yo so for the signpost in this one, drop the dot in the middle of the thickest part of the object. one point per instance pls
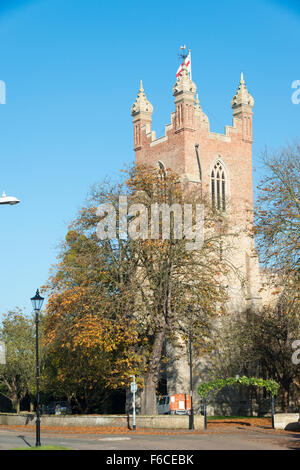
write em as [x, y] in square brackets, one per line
[133, 389]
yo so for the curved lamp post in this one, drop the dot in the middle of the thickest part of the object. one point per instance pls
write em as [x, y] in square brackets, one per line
[8, 200]
[37, 302]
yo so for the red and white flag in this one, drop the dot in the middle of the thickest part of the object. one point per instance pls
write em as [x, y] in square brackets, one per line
[188, 64]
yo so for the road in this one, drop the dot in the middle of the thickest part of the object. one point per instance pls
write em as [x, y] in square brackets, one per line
[235, 438]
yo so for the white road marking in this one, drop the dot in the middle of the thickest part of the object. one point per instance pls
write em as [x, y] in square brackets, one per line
[115, 439]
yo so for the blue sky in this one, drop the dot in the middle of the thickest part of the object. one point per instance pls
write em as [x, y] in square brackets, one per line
[72, 72]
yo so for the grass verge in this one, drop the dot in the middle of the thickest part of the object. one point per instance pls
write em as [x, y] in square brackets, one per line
[42, 448]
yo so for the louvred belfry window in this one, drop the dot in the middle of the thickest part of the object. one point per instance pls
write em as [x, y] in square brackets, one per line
[218, 187]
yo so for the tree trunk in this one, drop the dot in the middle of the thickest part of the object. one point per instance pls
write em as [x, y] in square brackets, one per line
[79, 406]
[16, 404]
[149, 396]
[69, 401]
[286, 401]
[148, 404]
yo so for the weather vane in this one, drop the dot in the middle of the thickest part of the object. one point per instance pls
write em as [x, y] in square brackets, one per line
[183, 53]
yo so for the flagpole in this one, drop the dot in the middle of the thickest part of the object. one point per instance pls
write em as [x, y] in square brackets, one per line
[185, 59]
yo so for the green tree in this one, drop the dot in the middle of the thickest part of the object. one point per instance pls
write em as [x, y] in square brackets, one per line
[260, 344]
[17, 375]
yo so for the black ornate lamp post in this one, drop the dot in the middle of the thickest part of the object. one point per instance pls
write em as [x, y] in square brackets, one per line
[191, 423]
[191, 426]
[273, 410]
[37, 302]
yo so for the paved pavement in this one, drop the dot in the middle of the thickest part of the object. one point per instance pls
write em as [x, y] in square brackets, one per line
[236, 438]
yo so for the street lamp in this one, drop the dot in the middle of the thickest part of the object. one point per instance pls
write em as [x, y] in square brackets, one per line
[8, 200]
[37, 302]
[191, 423]
[133, 389]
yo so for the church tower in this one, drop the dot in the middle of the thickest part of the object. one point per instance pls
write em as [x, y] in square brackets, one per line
[222, 163]
[189, 130]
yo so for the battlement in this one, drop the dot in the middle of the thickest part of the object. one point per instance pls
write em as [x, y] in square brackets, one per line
[189, 117]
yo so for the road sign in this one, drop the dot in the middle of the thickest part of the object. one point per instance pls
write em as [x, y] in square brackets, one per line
[133, 387]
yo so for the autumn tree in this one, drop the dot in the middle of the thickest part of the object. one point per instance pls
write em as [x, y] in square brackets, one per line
[89, 341]
[178, 289]
[119, 298]
[278, 212]
[278, 240]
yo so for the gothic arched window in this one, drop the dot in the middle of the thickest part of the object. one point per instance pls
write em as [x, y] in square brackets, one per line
[218, 187]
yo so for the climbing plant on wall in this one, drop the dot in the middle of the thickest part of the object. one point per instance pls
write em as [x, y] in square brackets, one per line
[216, 385]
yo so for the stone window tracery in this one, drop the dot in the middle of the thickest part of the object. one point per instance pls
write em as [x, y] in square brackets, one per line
[218, 187]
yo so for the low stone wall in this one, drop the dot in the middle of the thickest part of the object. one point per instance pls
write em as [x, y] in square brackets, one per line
[287, 421]
[155, 422]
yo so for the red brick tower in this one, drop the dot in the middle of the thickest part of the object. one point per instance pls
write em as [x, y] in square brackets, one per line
[190, 127]
[225, 159]
[222, 163]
